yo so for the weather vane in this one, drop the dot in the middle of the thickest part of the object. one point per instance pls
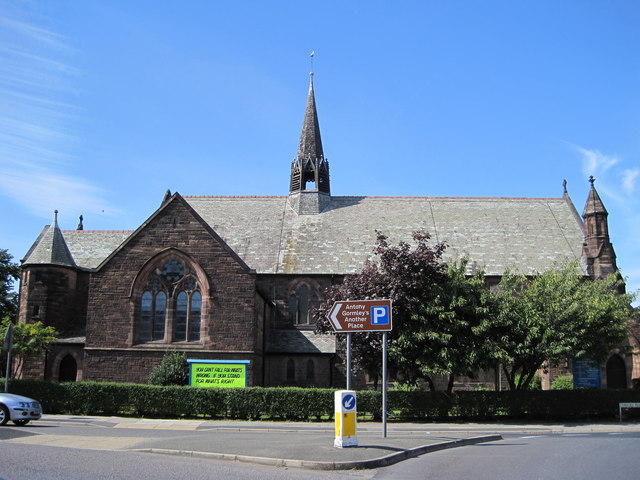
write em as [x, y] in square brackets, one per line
[312, 54]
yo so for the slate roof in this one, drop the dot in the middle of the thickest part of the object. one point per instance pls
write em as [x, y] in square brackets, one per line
[300, 341]
[528, 234]
[50, 247]
[87, 247]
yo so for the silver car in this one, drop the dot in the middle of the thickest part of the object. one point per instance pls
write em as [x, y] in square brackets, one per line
[20, 410]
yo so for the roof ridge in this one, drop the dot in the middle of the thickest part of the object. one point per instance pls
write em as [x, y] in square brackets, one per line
[234, 196]
[97, 231]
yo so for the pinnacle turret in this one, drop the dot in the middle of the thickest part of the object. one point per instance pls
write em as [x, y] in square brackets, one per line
[310, 166]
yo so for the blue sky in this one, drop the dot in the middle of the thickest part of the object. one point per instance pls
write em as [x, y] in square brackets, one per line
[106, 104]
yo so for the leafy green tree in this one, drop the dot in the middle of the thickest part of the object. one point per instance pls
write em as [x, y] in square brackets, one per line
[29, 339]
[400, 272]
[9, 272]
[446, 331]
[439, 313]
[172, 370]
[554, 316]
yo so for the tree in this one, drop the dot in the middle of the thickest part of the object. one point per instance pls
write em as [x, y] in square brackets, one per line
[437, 311]
[555, 316]
[172, 370]
[28, 339]
[8, 274]
[400, 273]
[446, 332]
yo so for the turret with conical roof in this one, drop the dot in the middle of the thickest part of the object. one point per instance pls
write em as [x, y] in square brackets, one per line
[310, 166]
[50, 248]
[597, 249]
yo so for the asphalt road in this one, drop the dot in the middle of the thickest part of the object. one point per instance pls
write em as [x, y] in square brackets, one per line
[586, 456]
[108, 448]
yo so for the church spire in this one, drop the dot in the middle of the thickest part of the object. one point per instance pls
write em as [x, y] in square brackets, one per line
[594, 205]
[310, 166]
[597, 249]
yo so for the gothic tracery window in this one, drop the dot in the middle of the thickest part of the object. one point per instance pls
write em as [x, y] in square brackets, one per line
[170, 303]
[302, 305]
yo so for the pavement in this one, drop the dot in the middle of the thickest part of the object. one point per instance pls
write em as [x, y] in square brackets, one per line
[303, 445]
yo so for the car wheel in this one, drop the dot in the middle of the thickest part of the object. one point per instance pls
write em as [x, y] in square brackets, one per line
[4, 415]
[21, 423]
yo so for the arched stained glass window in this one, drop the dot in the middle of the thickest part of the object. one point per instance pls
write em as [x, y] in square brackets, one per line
[303, 304]
[195, 315]
[180, 326]
[159, 316]
[146, 315]
[171, 302]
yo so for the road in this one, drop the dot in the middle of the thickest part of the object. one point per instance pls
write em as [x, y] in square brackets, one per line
[588, 456]
[36, 462]
[98, 450]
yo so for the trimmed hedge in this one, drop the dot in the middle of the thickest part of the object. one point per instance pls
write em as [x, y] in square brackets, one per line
[304, 404]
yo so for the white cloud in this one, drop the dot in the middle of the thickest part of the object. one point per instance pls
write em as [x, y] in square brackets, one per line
[41, 191]
[38, 118]
[594, 162]
[629, 180]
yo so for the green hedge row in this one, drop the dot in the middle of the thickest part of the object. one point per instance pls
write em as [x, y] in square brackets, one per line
[87, 398]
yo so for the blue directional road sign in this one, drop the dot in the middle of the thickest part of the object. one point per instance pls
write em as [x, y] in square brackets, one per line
[349, 402]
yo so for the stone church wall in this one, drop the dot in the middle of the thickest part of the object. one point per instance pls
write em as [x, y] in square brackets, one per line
[228, 312]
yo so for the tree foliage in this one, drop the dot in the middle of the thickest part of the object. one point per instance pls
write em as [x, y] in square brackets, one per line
[9, 272]
[554, 316]
[438, 312]
[447, 322]
[446, 331]
[29, 339]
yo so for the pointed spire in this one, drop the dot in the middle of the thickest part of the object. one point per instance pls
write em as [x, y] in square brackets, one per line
[597, 251]
[310, 142]
[310, 166]
[594, 204]
[52, 248]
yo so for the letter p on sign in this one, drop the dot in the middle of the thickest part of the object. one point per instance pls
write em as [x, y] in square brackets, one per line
[380, 315]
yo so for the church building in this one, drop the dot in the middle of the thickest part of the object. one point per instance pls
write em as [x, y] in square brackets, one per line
[238, 277]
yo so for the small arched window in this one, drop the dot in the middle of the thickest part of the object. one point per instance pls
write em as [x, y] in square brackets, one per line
[302, 306]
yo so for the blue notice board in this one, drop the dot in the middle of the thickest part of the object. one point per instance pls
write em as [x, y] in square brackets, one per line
[586, 374]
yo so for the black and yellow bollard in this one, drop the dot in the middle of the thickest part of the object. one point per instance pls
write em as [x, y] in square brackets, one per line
[345, 408]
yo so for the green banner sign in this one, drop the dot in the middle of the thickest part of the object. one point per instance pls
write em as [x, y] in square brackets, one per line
[218, 373]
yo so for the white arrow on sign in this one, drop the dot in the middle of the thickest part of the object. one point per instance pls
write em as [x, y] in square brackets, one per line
[333, 315]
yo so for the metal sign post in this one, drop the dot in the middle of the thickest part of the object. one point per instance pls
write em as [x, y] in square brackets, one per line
[348, 361]
[364, 316]
[384, 385]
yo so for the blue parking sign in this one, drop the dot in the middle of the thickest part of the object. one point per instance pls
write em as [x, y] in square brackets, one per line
[380, 315]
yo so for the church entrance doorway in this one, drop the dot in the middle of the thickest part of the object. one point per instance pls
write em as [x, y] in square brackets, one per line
[68, 369]
[616, 372]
